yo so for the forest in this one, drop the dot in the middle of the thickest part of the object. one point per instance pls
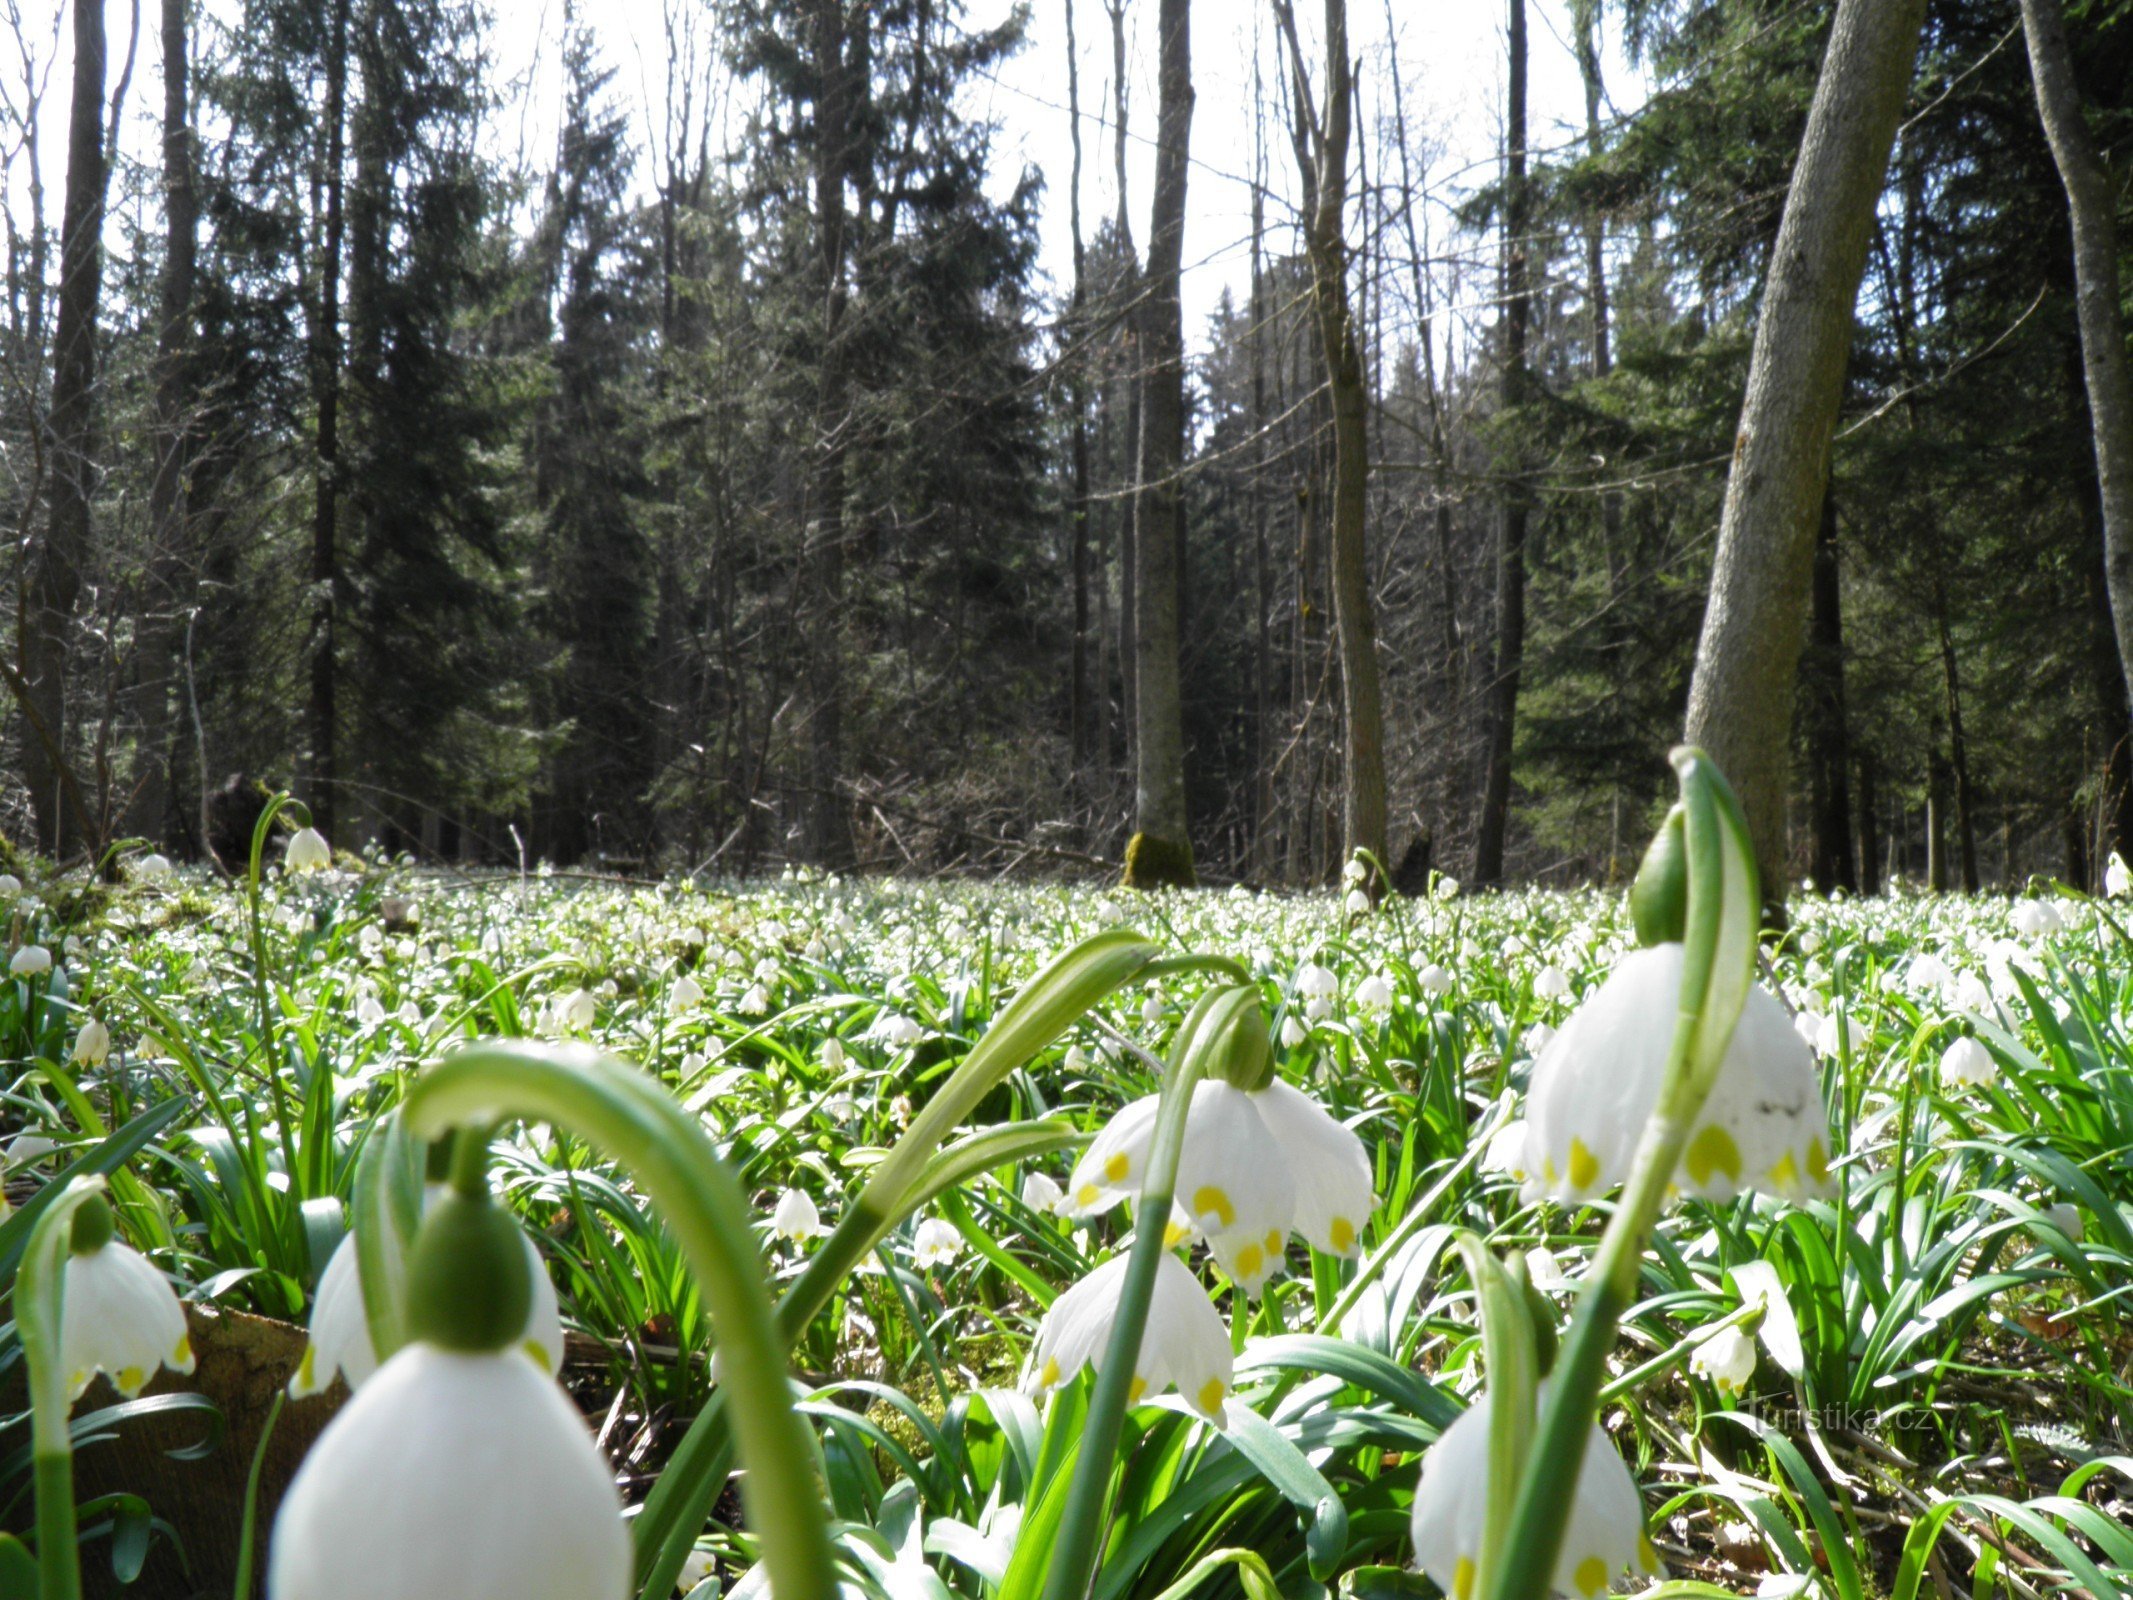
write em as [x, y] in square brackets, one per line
[653, 502]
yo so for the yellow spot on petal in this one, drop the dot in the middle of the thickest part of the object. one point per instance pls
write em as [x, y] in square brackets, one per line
[307, 1369]
[1273, 1241]
[1548, 1168]
[181, 1359]
[1117, 1167]
[1135, 1389]
[1712, 1151]
[1463, 1579]
[1209, 1199]
[1647, 1557]
[1209, 1399]
[1175, 1235]
[1251, 1261]
[1591, 1576]
[1086, 1195]
[128, 1379]
[533, 1348]
[1342, 1234]
[1786, 1173]
[1049, 1377]
[1817, 1160]
[1584, 1165]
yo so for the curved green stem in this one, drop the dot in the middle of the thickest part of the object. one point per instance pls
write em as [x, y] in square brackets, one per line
[616, 1108]
[1079, 1541]
[40, 1299]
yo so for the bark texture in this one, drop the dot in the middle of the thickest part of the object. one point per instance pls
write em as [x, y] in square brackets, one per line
[1748, 657]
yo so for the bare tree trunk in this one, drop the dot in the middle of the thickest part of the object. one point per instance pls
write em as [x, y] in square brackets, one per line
[155, 669]
[52, 584]
[2092, 207]
[1263, 742]
[1509, 664]
[1077, 391]
[1322, 143]
[1828, 730]
[1133, 367]
[1160, 851]
[1747, 660]
[1958, 750]
[323, 714]
[1869, 827]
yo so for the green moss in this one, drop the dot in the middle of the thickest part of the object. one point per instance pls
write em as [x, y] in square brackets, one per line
[1153, 863]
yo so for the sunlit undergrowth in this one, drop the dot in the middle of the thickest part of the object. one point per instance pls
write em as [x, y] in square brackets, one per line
[1937, 1388]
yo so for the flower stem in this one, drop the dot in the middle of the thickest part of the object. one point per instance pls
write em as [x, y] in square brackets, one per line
[40, 1298]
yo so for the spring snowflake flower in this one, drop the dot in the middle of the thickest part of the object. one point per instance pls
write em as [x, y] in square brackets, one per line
[573, 1012]
[92, 1045]
[1042, 1194]
[1727, 1358]
[1293, 1032]
[1551, 983]
[1184, 1346]
[1152, 1008]
[897, 1031]
[370, 1010]
[754, 1002]
[1315, 982]
[1596, 1084]
[452, 1473]
[1374, 993]
[31, 961]
[119, 1315]
[1256, 1166]
[1967, 1062]
[1356, 903]
[1434, 980]
[151, 867]
[834, 1057]
[1604, 1536]
[1446, 887]
[936, 1243]
[10, 885]
[1538, 1038]
[340, 1325]
[2037, 919]
[686, 995]
[796, 1217]
[1354, 873]
[306, 851]
[2117, 880]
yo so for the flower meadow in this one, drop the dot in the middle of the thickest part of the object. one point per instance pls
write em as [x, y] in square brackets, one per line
[779, 1238]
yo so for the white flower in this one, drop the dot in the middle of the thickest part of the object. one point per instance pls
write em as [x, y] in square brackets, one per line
[91, 1045]
[340, 1325]
[1356, 903]
[1833, 1035]
[1374, 993]
[1446, 887]
[1808, 1025]
[1928, 974]
[936, 1243]
[1042, 1194]
[754, 1002]
[1255, 1166]
[2116, 879]
[31, 961]
[1604, 1535]
[1596, 1084]
[1968, 1062]
[796, 1217]
[2067, 1219]
[1152, 1008]
[1507, 1150]
[1184, 1345]
[834, 1056]
[151, 866]
[695, 1568]
[1538, 1038]
[1551, 983]
[370, 1010]
[1727, 1358]
[119, 1315]
[1293, 1032]
[10, 885]
[686, 995]
[2037, 919]
[467, 1475]
[1434, 980]
[306, 851]
[1543, 1270]
[1315, 982]
[1354, 872]
[896, 1030]
[574, 1012]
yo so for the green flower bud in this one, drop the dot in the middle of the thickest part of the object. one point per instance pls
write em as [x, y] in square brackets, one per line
[468, 1284]
[1659, 899]
[1242, 1052]
[93, 1226]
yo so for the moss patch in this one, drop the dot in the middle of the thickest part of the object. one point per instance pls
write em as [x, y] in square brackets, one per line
[1153, 863]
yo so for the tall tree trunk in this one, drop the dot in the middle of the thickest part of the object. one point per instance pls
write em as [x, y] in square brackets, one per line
[828, 824]
[53, 582]
[1322, 143]
[2092, 207]
[1160, 851]
[1263, 742]
[1747, 660]
[1509, 664]
[1133, 366]
[1869, 826]
[168, 545]
[1829, 757]
[322, 645]
[1077, 391]
[1958, 750]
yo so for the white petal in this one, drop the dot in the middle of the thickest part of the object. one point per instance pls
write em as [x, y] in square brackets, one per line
[1114, 1164]
[1329, 1167]
[120, 1316]
[1233, 1175]
[340, 1333]
[1184, 1346]
[450, 1474]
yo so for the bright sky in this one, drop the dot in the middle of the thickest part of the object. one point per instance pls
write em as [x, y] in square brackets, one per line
[1450, 55]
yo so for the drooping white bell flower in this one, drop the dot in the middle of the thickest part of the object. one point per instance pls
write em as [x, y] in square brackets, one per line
[1603, 1538]
[306, 851]
[10, 885]
[1042, 1194]
[1293, 1031]
[370, 1010]
[1551, 983]
[1315, 982]
[31, 961]
[1727, 1358]
[1434, 980]
[1967, 1062]
[92, 1044]
[1595, 1086]
[452, 1473]
[1184, 1345]
[1544, 1269]
[1834, 1034]
[1356, 903]
[2037, 919]
[1354, 873]
[1507, 1150]
[1152, 1008]
[686, 995]
[897, 1031]
[1446, 887]
[936, 1242]
[574, 1012]
[119, 1315]
[835, 1058]
[1327, 1164]
[1374, 993]
[2117, 880]
[796, 1217]
[339, 1329]
[152, 866]
[754, 1001]
[1538, 1038]
[1928, 974]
